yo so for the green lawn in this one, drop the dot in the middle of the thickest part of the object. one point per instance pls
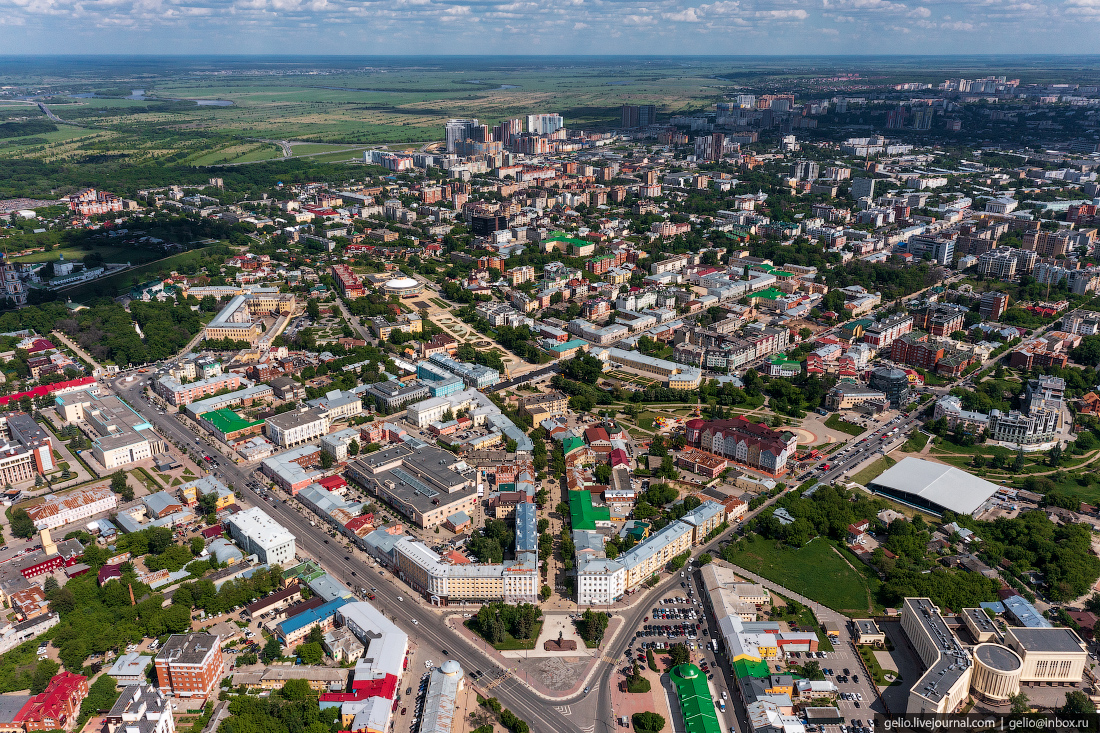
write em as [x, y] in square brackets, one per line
[806, 618]
[916, 442]
[814, 571]
[873, 470]
[868, 655]
[843, 426]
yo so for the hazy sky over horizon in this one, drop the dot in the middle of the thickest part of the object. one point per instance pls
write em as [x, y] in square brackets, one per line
[564, 27]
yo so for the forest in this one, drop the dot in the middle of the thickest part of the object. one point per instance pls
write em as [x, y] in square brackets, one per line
[106, 330]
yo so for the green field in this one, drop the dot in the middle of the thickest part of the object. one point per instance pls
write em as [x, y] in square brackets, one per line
[843, 426]
[110, 254]
[814, 571]
[115, 284]
[872, 471]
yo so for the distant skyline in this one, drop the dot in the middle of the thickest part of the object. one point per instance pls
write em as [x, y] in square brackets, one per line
[766, 27]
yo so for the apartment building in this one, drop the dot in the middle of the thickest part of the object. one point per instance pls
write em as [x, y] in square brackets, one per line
[338, 405]
[993, 304]
[178, 394]
[351, 286]
[291, 429]
[141, 709]
[57, 707]
[258, 534]
[882, 334]
[999, 264]
[915, 349]
[542, 406]
[189, 665]
[25, 451]
[647, 557]
[748, 443]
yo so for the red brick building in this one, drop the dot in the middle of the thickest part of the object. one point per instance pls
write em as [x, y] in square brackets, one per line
[57, 706]
[915, 350]
[189, 665]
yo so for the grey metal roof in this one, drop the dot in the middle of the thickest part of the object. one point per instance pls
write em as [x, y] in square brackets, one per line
[934, 484]
[1025, 613]
[10, 705]
[526, 528]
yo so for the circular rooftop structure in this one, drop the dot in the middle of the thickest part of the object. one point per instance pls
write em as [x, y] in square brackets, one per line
[997, 672]
[403, 287]
[998, 657]
[450, 667]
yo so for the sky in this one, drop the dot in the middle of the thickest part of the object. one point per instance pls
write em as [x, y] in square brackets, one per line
[668, 27]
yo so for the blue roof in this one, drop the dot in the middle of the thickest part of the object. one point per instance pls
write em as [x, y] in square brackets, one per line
[1025, 613]
[310, 617]
[992, 606]
[526, 528]
[703, 512]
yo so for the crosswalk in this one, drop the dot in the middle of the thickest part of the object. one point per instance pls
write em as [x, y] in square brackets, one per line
[496, 682]
[563, 709]
[608, 659]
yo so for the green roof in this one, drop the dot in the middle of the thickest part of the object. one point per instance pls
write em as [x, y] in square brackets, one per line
[782, 360]
[696, 705]
[581, 512]
[301, 568]
[568, 345]
[750, 668]
[226, 421]
[769, 294]
[563, 237]
[771, 270]
[571, 444]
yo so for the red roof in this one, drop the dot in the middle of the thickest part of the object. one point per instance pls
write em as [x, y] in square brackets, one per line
[619, 458]
[363, 520]
[109, 572]
[457, 558]
[332, 482]
[216, 530]
[40, 345]
[61, 700]
[596, 433]
[46, 389]
[385, 687]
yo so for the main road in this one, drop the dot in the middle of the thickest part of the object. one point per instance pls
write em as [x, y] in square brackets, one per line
[541, 714]
[576, 713]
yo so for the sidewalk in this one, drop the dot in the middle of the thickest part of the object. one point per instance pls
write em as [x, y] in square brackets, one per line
[511, 667]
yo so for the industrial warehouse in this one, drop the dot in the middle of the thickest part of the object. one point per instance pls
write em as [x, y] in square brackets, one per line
[934, 487]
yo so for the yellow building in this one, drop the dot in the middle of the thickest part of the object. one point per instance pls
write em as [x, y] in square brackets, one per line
[649, 556]
[543, 406]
